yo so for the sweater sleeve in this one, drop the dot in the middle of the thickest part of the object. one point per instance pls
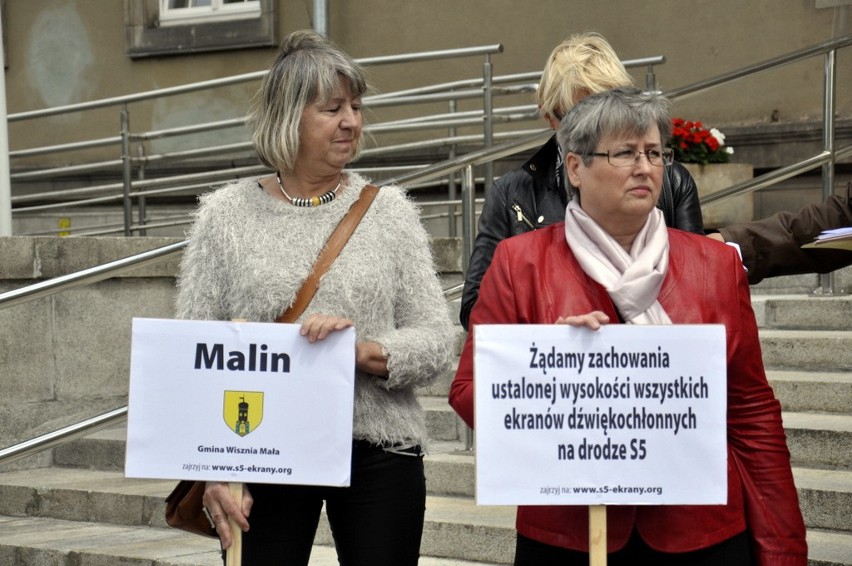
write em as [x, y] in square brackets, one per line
[757, 441]
[421, 344]
[201, 281]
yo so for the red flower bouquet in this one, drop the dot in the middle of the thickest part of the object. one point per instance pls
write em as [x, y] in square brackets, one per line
[693, 143]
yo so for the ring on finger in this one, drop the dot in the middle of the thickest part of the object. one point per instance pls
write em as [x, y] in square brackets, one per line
[209, 517]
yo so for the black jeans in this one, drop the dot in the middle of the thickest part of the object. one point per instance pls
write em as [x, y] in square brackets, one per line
[377, 521]
[735, 551]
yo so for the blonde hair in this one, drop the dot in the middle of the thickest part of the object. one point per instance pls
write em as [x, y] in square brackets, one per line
[581, 65]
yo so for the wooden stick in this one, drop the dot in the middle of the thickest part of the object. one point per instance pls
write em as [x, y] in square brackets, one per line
[597, 535]
[234, 556]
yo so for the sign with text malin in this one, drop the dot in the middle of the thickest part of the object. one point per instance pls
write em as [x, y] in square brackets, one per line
[239, 402]
[624, 415]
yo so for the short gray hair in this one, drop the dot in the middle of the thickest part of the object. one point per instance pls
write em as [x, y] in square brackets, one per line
[620, 111]
[307, 71]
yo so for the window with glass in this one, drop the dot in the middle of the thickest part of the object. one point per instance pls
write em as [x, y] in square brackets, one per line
[172, 27]
[183, 12]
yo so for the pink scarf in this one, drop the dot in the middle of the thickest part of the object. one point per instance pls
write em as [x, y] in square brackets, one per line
[632, 280]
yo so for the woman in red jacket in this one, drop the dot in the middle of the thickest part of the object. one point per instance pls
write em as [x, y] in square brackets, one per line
[614, 260]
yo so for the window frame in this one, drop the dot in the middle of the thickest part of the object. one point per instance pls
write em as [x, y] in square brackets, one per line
[217, 11]
[146, 36]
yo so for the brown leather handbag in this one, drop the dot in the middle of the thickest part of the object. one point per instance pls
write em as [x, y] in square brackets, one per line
[184, 506]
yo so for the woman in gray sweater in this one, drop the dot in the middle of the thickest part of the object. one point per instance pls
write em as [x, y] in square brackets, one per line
[252, 244]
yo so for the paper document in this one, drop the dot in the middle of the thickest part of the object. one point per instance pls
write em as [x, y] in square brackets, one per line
[838, 238]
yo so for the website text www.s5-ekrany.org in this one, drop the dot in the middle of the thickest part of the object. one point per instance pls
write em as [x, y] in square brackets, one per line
[604, 489]
[252, 469]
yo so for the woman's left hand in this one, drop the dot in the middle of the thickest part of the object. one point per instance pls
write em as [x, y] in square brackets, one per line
[593, 320]
[369, 356]
[318, 326]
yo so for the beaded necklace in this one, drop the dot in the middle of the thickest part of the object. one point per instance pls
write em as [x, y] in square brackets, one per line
[313, 201]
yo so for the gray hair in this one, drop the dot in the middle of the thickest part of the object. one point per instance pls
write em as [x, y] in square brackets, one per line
[620, 111]
[307, 71]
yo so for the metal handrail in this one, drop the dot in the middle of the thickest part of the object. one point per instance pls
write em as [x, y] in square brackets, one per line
[777, 175]
[533, 76]
[87, 276]
[107, 270]
[61, 436]
[792, 57]
[242, 78]
[527, 112]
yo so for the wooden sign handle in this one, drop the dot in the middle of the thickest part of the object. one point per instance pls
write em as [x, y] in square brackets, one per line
[597, 535]
[234, 556]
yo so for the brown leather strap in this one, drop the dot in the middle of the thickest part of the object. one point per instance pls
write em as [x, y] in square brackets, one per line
[329, 253]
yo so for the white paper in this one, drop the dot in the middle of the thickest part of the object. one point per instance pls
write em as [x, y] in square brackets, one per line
[625, 415]
[188, 380]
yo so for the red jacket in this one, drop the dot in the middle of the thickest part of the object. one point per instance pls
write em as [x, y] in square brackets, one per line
[534, 278]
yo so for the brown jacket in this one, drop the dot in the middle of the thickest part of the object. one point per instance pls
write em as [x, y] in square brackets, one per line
[773, 246]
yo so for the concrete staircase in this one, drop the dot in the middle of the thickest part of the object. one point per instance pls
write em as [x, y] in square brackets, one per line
[83, 512]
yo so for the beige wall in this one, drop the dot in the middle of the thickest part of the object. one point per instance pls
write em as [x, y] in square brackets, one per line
[67, 51]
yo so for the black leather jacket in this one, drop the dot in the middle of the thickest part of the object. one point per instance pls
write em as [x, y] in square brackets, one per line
[533, 196]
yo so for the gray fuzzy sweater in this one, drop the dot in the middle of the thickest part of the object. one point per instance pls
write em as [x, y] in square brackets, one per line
[248, 253]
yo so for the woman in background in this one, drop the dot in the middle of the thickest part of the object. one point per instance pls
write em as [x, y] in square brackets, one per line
[535, 195]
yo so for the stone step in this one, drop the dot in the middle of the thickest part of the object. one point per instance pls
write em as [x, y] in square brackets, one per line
[67, 517]
[808, 350]
[32, 541]
[455, 527]
[803, 312]
[442, 421]
[825, 497]
[817, 440]
[441, 386]
[803, 284]
[827, 392]
[825, 494]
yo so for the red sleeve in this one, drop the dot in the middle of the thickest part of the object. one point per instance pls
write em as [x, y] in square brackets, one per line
[758, 445]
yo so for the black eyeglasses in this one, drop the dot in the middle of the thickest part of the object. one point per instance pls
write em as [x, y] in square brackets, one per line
[629, 157]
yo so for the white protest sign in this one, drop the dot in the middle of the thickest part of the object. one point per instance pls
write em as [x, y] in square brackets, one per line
[627, 414]
[239, 402]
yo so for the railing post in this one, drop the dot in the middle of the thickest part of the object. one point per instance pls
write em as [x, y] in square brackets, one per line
[451, 179]
[142, 211]
[488, 110]
[651, 80]
[827, 280]
[126, 171]
[468, 221]
[5, 167]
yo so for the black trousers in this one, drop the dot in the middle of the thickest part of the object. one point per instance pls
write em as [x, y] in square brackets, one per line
[735, 551]
[377, 521]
